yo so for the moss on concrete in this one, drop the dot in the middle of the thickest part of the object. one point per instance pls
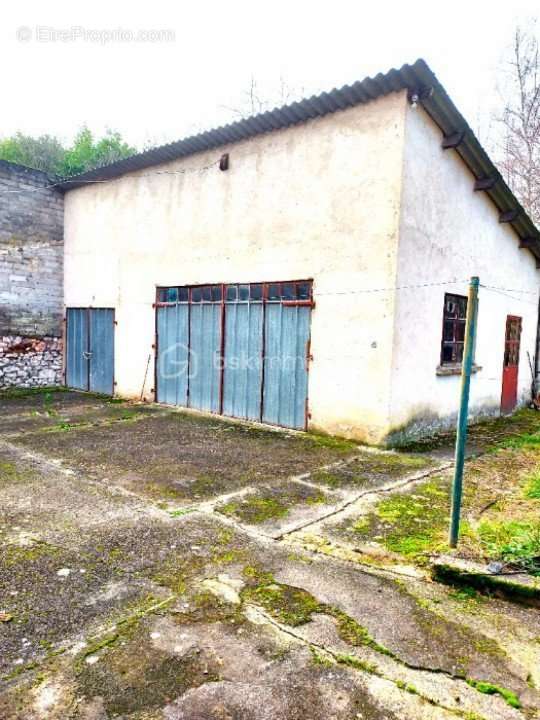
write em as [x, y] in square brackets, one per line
[272, 503]
[127, 687]
[410, 522]
[368, 469]
[11, 474]
[288, 605]
[489, 689]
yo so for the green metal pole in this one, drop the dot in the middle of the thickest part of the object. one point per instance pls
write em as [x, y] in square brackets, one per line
[461, 436]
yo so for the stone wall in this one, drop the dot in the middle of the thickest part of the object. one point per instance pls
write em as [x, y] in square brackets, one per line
[30, 362]
[31, 277]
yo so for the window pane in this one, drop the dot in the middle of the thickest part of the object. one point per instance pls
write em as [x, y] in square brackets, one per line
[459, 353]
[460, 330]
[172, 294]
[289, 291]
[216, 293]
[304, 291]
[447, 353]
[274, 292]
[231, 293]
[462, 308]
[256, 292]
[162, 295]
[448, 330]
[243, 292]
[183, 294]
[207, 293]
[196, 294]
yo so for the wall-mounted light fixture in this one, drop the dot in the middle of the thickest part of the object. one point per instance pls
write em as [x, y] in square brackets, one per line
[418, 95]
[224, 162]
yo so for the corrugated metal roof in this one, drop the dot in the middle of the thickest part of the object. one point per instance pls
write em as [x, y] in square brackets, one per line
[417, 78]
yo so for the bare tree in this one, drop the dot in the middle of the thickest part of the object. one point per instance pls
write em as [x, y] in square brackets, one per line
[520, 121]
[255, 101]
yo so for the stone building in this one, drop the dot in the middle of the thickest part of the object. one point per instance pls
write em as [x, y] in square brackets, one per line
[31, 278]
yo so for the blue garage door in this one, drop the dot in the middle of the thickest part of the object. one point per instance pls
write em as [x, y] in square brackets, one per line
[239, 350]
[286, 341]
[90, 349]
[173, 349]
[242, 378]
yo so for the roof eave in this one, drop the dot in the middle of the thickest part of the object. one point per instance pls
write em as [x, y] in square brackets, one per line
[418, 79]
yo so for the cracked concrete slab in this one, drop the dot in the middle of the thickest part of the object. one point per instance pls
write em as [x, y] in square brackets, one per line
[116, 608]
[35, 413]
[184, 457]
[280, 508]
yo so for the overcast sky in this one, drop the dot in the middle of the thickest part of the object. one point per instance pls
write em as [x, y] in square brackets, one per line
[161, 90]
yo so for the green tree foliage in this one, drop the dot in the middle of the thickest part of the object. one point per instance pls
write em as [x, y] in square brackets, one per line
[87, 153]
[43, 153]
[47, 152]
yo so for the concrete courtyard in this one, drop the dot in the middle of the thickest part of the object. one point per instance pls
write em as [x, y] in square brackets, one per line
[157, 564]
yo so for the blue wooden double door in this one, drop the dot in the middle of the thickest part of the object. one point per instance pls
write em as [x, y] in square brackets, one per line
[90, 349]
[240, 350]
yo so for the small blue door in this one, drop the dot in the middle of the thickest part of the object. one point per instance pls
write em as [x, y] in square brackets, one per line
[90, 349]
[77, 348]
[101, 363]
[286, 338]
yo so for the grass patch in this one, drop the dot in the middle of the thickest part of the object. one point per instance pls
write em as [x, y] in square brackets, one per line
[465, 594]
[407, 687]
[28, 392]
[532, 488]
[521, 441]
[516, 542]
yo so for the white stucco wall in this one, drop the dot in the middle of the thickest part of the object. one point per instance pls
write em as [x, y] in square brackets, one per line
[448, 231]
[320, 200]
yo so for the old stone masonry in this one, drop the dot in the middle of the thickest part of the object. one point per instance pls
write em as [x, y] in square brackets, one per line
[31, 278]
[30, 362]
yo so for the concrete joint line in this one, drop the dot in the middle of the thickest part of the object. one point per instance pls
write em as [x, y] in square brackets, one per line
[375, 491]
[255, 613]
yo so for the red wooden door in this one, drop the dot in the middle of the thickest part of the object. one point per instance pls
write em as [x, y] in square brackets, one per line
[511, 363]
